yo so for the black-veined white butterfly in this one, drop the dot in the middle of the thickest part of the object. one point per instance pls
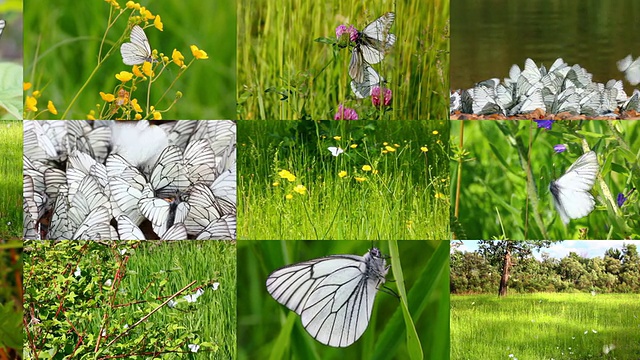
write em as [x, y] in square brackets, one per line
[138, 50]
[333, 295]
[2, 25]
[372, 44]
[570, 192]
[631, 69]
[335, 151]
[371, 79]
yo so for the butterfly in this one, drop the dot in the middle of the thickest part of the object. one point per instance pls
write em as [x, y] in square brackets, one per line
[631, 69]
[138, 50]
[371, 79]
[2, 25]
[335, 151]
[570, 192]
[333, 295]
[372, 44]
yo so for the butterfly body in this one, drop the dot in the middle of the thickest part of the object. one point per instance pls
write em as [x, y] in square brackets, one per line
[371, 46]
[570, 192]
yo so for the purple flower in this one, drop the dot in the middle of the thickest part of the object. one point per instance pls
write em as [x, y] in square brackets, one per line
[341, 30]
[377, 92]
[621, 199]
[353, 33]
[345, 113]
[544, 124]
[560, 148]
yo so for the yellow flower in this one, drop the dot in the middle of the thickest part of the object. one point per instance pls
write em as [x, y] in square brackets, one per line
[147, 70]
[390, 149]
[52, 109]
[137, 72]
[360, 179]
[113, 3]
[424, 149]
[131, 5]
[435, 132]
[30, 103]
[288, 196]
[26, 86]
[136, 107]
[138, 117]
[385, 143]
[285, 174]
[146, 14]
[157, 115]
[276, 183]
[177, 58]
[91, 115]
[36, 93]
[384, 151]
[300, 189]
[439, 195]
[124, 76]
[198, 54]
[353, 146]
[107, 97]
[342, 173]
[158, 23]
[374, 172]
[337, 137]
[366, 168]
[396, 145]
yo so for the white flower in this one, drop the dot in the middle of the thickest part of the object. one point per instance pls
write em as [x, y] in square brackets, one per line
[78, 272]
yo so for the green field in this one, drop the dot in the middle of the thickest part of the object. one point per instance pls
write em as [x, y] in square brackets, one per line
[266, 329]
[285, 74]
[64, 58]
[153, 271]
[545, 326]
[383, 194]
[11, 179]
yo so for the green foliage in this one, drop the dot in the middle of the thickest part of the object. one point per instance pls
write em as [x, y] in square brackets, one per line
[10, 179]
[507, 167]
[10, 296]
[10, 91]
[403, 200]
[290, 67]
[544, 326]
[85, 299]
[61, 59]
[268, 328]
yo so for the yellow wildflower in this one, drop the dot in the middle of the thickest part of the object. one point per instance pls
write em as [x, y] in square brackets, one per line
[276, 183]
[30, 103]
[138, 117]
[137, 72]
[353, 146]
[146, 14]
[91, 115]
[36, 93]
[136, 107]
[439, 195]
[157, 115]
[424, 149]
[288, 196]
[26, 86]
[366, 168]
[342, 174]
[177, 58]
[300, 189]
[198, 54]
[157, 22]
[107, 97]
[385, 143]
[147, 70]
[131, 5]
[360, 179]
[435, 132]
[124, 76]
[390, 149]
[337, 137]
[285, 174]
[52, 108]
[396, 145]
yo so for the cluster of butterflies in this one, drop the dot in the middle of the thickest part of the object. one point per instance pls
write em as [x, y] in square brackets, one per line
[115, 180]
[371, 46]
[333, 295]
[561, 88]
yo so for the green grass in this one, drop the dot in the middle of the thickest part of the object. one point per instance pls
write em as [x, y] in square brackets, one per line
[267, 329]
[545, 326]
[494, 191]
[11, 179]
[399, 202]
[152, 273]
[59, 60]
[284, 74]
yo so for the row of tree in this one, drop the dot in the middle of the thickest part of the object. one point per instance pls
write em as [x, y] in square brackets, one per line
[499, 265]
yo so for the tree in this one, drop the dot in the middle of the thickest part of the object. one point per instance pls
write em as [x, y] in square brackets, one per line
[502, 254]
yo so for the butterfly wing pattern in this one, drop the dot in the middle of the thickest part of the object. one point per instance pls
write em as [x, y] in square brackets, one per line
[78, 185]
[570, 192]
[138, 50]
[371, 46]
[333, 295]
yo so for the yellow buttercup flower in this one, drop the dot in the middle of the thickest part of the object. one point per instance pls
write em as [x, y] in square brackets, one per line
[157, 115]
[131, 5]
[177, 58]
[390, 149]
[147, 70]
[146, 14]
[91, 115]
[285, 174]
[360, 179]
[30, 103]
[136, 107]
[26, 86]
[198, 54]
[138, 117]
[52, 108]
[300, 189]
[439, 195]
[396, 145]
[124, 76]
[157, 22]
[435, 132]
[275, 183]
[353, 146]
[288, 196]
[385, 143]
[366, 168]
[424, 149]
[36, 94]
[137, 72]
[337, 137]
[342, 174]
[107, 97]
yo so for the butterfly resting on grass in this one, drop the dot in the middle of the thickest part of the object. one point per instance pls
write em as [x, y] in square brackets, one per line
[371, 46]
[333, 295]
[570, 192]
[138, 50]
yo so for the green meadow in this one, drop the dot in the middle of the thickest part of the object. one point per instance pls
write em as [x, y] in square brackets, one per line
[545, 326]
[62, 62]
[267, 329]
[86, 275]
[290, 68]
[11, 179]
[388, 183]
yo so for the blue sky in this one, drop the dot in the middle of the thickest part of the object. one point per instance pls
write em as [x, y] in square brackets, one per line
[584, 248]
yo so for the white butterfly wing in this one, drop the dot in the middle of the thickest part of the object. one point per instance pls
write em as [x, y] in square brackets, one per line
[376, 40]
[570, 192]
[370, 79]
[631, 69]
[335, 151]
[138, 50]
[128, 230]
